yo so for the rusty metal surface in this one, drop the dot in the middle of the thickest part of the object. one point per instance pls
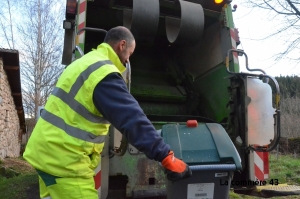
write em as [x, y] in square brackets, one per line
[143, 19]
[149, 191]
[187, 29]
[145, 176]
[149, 172]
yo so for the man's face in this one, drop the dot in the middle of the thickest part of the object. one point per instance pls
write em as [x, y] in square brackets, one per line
[125, 50]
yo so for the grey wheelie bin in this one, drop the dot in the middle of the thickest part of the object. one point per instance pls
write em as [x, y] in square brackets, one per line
[210, 154]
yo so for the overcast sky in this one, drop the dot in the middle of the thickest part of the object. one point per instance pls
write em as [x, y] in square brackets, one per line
[254, 24]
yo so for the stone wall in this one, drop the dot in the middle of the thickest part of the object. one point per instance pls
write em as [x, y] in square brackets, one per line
[9, 120]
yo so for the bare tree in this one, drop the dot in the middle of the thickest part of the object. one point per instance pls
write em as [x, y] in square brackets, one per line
[41, 45]
[40, 37]
[287, 13]
[7, 9]
[34, 28]
[290, 118]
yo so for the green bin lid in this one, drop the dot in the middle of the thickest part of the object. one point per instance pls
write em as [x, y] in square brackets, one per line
[208, 143]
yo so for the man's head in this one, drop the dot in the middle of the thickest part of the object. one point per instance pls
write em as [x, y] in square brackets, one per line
[122, 41]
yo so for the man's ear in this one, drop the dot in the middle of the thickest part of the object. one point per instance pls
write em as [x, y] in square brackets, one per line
[122, 45]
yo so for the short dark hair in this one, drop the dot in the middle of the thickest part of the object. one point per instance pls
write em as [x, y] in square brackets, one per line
[117, 34]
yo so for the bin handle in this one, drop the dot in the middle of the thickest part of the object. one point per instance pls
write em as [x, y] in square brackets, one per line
[215, 167]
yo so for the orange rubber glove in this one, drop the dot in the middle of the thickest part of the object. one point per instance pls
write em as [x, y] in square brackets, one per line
[176, 169]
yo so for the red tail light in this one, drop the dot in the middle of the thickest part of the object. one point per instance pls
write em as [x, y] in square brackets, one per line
[71, 9]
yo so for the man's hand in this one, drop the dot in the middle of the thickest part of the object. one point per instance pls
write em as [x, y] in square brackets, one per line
[175, 168]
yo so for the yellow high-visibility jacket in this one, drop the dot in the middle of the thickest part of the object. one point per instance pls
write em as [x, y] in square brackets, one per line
[69, 135]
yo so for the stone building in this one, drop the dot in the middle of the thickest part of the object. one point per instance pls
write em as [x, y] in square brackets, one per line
[12, 118]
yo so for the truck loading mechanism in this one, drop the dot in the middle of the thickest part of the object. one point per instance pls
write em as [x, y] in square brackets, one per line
[275, 140]
[143, 20]
[185, 67]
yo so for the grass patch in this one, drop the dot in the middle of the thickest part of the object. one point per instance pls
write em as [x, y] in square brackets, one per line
[21, 187]
[25, 186]
[2, 179]
[19, 180]
[285, 169]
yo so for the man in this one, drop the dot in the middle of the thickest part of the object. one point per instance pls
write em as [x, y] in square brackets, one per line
[66, 142]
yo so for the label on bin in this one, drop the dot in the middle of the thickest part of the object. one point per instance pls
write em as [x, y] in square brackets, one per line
[221, 174]
[200, 191]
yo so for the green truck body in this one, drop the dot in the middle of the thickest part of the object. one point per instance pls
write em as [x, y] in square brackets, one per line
[183, 69]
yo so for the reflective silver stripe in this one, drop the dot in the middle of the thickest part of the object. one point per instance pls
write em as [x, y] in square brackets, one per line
[72, 131]
[85, 75]
[48, 197]
[69, 98]
[77, 107]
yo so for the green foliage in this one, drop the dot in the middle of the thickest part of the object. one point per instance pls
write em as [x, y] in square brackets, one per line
[2, 178]
[295, 139]
[10, 173]
[285, 169]
[289, 86]
[21, 187]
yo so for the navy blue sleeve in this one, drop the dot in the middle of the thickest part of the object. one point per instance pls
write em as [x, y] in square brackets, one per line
[119, 107]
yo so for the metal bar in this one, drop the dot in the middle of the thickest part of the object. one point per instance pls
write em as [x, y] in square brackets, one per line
[77, 47]
[246, 57]
[128, 75]
[91, 29]
[215, 167]
[79, 50]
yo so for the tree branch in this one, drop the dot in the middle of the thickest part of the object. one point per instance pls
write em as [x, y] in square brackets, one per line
[293, 7]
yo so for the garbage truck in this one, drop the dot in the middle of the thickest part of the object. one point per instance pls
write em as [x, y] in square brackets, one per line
[185, 75]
